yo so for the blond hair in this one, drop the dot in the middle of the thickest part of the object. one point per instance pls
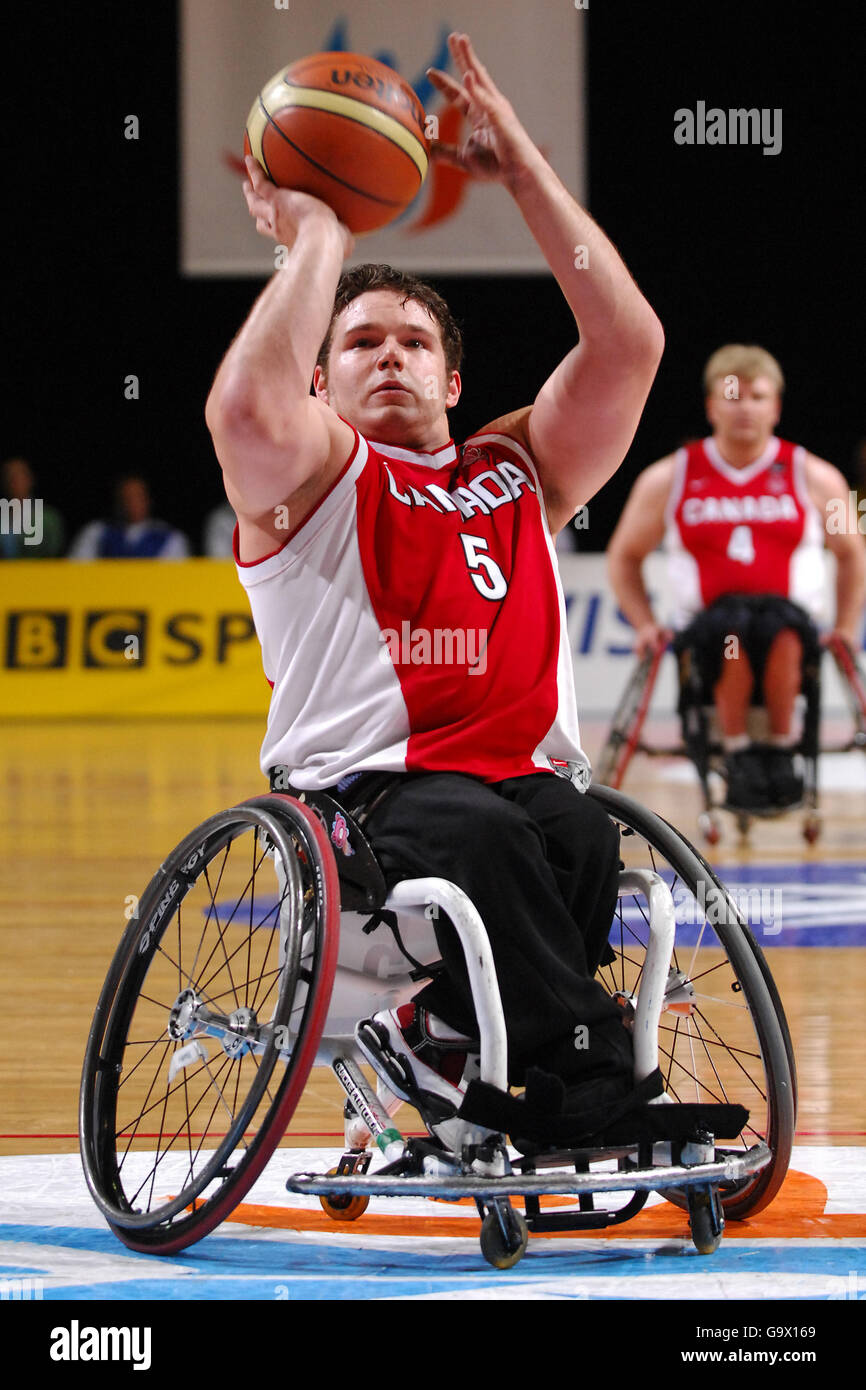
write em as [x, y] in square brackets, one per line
[736, 359]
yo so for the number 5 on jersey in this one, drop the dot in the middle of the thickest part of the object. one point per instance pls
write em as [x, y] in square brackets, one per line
[483, 571]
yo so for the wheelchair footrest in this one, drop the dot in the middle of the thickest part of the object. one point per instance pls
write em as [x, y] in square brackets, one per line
[542, 1117]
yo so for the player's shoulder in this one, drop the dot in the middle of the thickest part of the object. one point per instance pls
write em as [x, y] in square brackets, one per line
[656, 480]
[822, 474]
[513, 426]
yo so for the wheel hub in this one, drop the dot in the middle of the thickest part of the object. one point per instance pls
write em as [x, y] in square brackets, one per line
[679, 994]
[183, 1021]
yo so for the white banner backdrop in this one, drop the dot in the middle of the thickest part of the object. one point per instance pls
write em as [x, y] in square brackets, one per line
[230, 48]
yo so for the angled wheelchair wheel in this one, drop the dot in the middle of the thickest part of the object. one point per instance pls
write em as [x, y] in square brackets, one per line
[623, 738]
[723, 1035]
[209, 1022]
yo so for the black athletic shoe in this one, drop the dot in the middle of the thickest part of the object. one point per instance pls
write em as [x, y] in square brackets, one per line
[785, 783]
[748, 786]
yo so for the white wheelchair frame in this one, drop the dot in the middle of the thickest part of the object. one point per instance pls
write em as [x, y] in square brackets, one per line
[366, 977]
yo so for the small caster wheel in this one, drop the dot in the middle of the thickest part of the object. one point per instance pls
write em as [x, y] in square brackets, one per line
[812, 829]
[343, 1207]
[706, 1218]
[503, 1248]
[709, 827]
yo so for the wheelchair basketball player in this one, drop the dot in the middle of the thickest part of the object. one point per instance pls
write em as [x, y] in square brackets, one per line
[743, 516]
[406, 595]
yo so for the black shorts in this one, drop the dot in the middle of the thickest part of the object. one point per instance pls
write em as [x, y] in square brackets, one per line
[755, 620]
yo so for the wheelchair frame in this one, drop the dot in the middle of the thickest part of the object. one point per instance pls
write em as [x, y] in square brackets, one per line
[625, 739]
[301, 1009]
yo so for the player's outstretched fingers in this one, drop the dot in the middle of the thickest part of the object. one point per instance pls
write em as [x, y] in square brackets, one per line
[449, 88]
[469, 62]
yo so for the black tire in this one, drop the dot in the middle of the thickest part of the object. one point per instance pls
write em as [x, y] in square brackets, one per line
[731, 1043]
[706, 1219]
[234, 942]
[617, 752]
[501, 1249]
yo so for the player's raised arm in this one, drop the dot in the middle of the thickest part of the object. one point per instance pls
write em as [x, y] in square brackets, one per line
[585, 416]
[271, 437]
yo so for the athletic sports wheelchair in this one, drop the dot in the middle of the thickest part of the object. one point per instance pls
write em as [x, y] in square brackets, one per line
[701, 741]
[268, 933]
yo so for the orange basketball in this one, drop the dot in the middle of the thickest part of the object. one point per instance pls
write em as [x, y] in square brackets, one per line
[345, 128]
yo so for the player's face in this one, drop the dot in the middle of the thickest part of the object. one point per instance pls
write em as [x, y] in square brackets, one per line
[744, 413]
[387, 374]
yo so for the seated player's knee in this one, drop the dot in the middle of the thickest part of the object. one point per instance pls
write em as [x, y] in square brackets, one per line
[786, 646]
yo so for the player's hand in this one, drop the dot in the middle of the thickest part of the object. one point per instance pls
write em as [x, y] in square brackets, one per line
[847, 636]
[280, 213]
[497, 146]
[651, 638]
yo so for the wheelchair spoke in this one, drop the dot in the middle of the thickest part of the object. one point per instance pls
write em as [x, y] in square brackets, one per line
[211, 909]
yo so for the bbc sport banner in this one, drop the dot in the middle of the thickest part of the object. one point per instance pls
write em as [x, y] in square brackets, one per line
[230, 48]
[135, 638]
[126, 638]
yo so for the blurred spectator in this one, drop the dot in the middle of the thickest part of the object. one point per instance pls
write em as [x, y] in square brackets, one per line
[134, 534]
[29, 530]
[219, 529]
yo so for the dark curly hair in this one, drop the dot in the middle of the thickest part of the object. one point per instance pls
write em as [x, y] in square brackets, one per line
[384, 277]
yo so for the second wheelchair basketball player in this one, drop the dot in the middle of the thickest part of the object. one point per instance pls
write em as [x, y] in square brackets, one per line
[744, 517]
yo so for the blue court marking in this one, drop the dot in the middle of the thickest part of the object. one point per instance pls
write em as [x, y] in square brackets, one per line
[248, 1268]
[801, 904]
[785, 904]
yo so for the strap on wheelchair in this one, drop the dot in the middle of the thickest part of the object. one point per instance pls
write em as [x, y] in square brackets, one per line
[389, 919]
[362, 883]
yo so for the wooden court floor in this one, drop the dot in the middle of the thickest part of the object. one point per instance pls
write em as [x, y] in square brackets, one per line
[88, 810]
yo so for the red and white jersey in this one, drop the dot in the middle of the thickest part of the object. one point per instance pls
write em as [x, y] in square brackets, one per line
[415, 621]
[751, 530]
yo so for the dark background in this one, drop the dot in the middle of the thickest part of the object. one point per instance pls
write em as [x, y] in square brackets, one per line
[728, 244]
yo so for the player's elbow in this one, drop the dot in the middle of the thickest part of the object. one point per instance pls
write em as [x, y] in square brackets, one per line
[619, 561]
[240, 418]
[232, 410]
[647, 341]
[655, 338]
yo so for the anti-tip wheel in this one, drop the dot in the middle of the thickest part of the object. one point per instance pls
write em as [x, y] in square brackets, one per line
[345, 1207]
[502, 1249]
[706, 1220]
[812, 829]
[709, 827]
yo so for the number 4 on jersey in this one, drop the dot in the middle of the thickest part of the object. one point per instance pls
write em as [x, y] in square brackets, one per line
[494, 586]
[741, 546]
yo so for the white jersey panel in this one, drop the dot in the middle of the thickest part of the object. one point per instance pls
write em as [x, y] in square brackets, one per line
[808, 563]
[315, 624]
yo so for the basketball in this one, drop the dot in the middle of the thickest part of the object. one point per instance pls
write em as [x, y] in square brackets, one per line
[346, 129]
